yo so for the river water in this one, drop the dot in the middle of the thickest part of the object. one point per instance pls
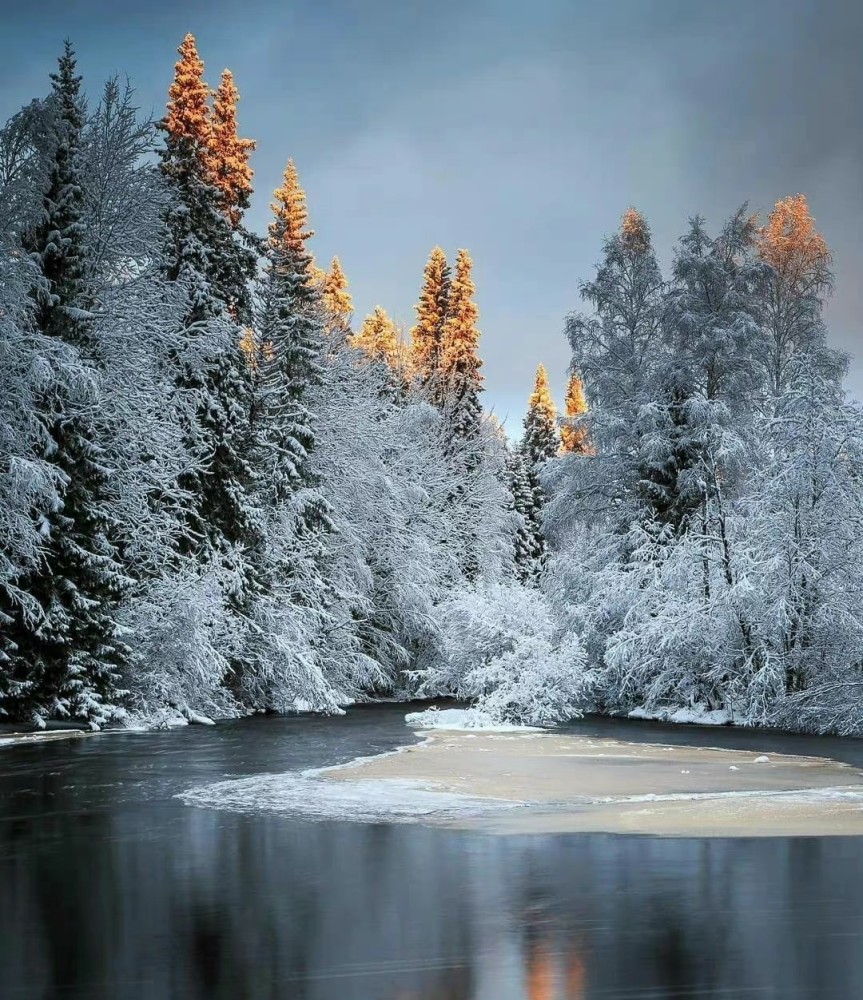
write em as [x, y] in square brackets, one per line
[113, 889]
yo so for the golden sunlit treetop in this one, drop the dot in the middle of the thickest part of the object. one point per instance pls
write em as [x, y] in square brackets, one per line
[541, 400]
[431, 313]
[227, 153]
[288, 229]
[188, 110]
[790, 243]
[378, 338]
[574, 439]
[337, 300]
[634, 231]
[460, 336]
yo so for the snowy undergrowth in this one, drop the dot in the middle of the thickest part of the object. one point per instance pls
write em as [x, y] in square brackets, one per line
[503, 650]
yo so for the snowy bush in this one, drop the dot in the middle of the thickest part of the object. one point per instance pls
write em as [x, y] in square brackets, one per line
[502, 649]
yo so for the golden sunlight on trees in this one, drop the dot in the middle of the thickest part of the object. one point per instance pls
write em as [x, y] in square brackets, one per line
[188, 113]
[634, 231]
[288, 230]
[574, 437]
[338, 304]
[460, 362]
[541, 439]
[431, 313]
[227, 153]
[790, 243]
[378, 338]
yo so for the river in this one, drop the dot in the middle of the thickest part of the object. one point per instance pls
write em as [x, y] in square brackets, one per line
[111, 887]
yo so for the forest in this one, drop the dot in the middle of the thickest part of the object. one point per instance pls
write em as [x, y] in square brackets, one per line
[221, 495]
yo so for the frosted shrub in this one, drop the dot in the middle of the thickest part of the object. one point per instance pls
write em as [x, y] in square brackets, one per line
[502, 649]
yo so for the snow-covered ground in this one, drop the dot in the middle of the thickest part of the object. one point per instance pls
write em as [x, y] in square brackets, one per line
[697, 715]
[462, 719]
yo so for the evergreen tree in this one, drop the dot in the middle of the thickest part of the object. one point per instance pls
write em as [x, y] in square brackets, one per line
[427, 335]
[63, 654]
[574, 438]
[204, 257]
[291, 359]
[227, 155]
[528, 540]
[460, 363]
[378, 338]
[337, 302]
[541, 440]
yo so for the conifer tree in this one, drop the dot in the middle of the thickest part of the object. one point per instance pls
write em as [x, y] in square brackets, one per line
[460, 363]
[65, 659]
[427, 334]
[574, 437]
[378, 338]
[227, 155]
[214, 269]
[292, 348]
[528, 540]
[337, 302]
[541, 439]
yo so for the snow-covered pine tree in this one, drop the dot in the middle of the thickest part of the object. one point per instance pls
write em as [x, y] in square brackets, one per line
[528, 539]
[63, 652]
[459, 361]
[540, 443]
[292, 349]
[206, 258]
[541, 440]
[289, 617]
[427, 334]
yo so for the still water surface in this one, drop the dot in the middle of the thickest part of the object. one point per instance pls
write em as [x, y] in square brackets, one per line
[112, 889]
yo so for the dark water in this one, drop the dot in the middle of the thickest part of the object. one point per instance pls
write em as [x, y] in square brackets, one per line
[111, 888]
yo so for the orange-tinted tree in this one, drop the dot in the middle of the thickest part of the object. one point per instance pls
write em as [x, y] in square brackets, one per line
[227, 154]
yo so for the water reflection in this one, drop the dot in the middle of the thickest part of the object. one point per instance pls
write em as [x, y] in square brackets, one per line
[109, 888]
[239, 907]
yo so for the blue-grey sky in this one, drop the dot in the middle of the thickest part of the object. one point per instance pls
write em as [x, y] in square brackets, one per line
[519, 130]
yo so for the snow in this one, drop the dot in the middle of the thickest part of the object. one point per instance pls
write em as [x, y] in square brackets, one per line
[305, 794]
[463, 718]
[19, 739]
[697, 715]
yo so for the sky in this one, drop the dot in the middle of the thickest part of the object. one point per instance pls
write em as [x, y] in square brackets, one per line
[521, 131]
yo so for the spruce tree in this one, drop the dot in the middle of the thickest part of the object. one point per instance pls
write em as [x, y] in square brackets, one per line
[460, 363]
[541, 439]
[528, 540]
[292, 349]
[427, 334]
[215, 270]
[66, 658]
[337, 303]
[378, 338]
[574, 437]
[227, 155]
